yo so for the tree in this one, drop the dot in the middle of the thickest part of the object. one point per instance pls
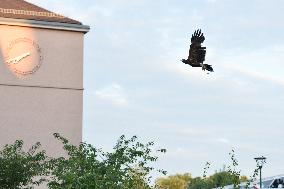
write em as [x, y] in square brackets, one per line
[218, 179]
[200, 183]
[224, 178]
[20, 169]
[230, 175]
[178, 181]
[86, 167]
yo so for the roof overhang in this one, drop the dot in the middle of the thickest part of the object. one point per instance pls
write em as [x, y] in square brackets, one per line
[44, 24]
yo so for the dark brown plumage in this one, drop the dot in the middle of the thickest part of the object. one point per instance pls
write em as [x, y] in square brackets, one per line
[196, 55]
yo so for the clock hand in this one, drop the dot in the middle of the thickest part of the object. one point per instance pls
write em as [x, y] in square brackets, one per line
[16, 60]
[24, 56]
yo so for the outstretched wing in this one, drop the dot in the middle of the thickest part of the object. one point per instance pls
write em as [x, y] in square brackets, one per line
[196, 52]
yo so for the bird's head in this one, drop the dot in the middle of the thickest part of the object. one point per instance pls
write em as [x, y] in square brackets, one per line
[184, 61]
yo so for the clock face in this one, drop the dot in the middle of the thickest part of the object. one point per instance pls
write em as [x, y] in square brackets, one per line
[23, 57]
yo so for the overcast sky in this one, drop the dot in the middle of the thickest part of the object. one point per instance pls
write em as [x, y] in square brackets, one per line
[136, 85]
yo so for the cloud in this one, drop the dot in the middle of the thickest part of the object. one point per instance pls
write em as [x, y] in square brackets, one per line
[114, 94]
[211, 1]
[223, 140]
[187, 153]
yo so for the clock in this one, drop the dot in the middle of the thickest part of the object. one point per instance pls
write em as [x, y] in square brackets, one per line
[23, 57]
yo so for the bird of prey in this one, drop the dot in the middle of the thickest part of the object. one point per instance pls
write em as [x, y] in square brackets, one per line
[197, 53]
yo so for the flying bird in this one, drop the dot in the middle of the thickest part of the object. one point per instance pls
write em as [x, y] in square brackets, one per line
[196, 55]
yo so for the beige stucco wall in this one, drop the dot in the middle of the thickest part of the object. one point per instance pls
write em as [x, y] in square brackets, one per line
[34, 113]
[62, 51]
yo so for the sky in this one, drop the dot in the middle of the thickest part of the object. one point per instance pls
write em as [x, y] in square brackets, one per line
[135, 83]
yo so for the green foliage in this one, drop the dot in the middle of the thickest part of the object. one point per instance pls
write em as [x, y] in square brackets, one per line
[224, 178]
[128, 166]
[199, 183]
[229, 175]
[87, 167]
[179, 181]
[219, 179]
[20, 169]
[205, 169]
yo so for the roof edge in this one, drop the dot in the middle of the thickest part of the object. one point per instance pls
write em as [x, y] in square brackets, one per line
[44, 24]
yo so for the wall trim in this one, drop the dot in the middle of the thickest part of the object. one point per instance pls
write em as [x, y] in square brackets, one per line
[45, 25]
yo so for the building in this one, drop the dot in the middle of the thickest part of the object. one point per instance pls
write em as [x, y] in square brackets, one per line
[41, 75]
